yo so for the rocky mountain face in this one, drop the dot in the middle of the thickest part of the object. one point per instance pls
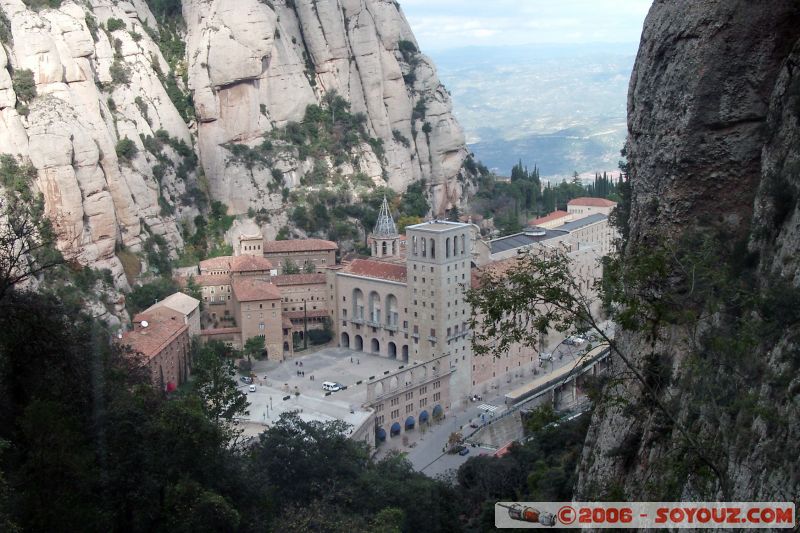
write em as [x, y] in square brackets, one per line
[210, 121]
[714, 120]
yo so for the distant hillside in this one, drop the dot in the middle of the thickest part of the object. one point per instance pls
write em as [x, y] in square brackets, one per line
[562, 107]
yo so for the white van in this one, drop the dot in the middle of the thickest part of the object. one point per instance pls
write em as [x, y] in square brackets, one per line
[330, 386]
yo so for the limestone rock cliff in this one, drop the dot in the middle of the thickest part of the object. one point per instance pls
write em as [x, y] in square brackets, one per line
[255, 66]
[250, 68]
[69, 132]
[713, 142]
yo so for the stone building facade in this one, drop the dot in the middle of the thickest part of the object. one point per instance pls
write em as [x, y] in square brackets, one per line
[257, 304]
[581, 207]
[317, 252]
[161, 342]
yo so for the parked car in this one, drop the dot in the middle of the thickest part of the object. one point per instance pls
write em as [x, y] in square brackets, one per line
[465, 451]
[578, 341]
[246, 379]
[330, 386]
[252, 388]
[545, 357]
[474, 425]
[457, 449]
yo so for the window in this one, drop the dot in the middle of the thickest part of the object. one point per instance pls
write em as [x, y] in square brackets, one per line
[395, 401]
[437, 396]
[409, 408]
[423, 390]
[379, 420]
[423, 402]
[261, 326]
[410, 395]
[395, 413]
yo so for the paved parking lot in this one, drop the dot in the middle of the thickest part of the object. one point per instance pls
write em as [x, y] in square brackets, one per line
[275, 381]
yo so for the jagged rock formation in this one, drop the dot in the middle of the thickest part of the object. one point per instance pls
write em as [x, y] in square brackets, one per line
[714, 135]
[255, 65]
[69, 132]
[252, 66]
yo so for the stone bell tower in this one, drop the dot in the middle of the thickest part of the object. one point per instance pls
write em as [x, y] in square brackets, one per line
[385, 239]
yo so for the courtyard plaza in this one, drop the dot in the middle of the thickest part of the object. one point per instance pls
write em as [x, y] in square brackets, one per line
[276, 380]
[424, 445]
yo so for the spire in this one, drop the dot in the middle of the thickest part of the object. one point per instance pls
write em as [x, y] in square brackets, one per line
[384, 227]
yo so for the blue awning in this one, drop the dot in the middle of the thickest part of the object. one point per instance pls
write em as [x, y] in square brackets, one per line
[380, 434]
[437, 410]
[423, 416]
[409, 422]
[395, 429]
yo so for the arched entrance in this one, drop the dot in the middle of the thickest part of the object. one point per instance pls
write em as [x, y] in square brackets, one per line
[359, 343]
[405, 353]
[392, 350]
[345, 340]
[410, 423]
[423, 417]
[437, 412]
[395, 429]
[376, 346]
[285, 346]
[380, 434]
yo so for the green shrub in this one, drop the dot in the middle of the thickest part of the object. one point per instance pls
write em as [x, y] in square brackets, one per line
[143, 296]
[23, 85]
[6, 37]
[142, 106]
[93, 27]
[36, 5]
[115, 24]
[14, 176]
[126, 149]
[120, 73]
[419, 110]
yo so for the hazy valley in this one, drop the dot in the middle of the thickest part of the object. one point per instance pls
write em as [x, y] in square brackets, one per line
[562, 107]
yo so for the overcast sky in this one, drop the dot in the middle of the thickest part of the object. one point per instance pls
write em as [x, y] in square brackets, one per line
[442, 24]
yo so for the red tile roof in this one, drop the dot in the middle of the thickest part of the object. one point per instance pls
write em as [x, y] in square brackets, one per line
[207, 280]
[298, 279]
[299, 245]
[152, 340]
[498, 268]
[254, 289]
[592, 202]
[250, 263]
[555, 215]
[216, 263]
[377, 269]
[314, 313]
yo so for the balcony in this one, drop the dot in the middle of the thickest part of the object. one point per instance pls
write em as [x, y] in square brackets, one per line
[390, 327]
[431, 338]
[373, 324]
[357, 320]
